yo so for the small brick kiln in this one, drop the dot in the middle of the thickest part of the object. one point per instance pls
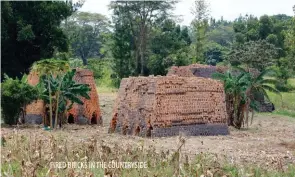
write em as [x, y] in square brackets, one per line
[206, 71]
[35, 112]
[89, 112]
[168, 105]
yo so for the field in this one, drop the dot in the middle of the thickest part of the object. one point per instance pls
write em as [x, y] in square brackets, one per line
[284, 105]
[266, 148]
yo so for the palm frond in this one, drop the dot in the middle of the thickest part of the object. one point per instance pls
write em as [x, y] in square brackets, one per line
[262, 74]
[269, 81]
[271, 89]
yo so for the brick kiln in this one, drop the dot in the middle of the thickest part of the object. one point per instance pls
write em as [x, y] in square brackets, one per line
[89, 112]
[168, 105]
[206, 71]
[36, 110]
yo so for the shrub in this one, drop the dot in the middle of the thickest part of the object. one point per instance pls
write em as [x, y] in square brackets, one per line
[16, 94]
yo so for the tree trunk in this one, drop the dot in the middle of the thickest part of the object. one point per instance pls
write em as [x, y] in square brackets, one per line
[50, 102]
[57, 103]
[85, 62]
[142, 62]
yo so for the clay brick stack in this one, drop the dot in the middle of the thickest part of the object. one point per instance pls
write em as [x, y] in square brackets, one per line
[168, 105]
[36, 110]
[89, 112]
[206, 71]
[198, 70]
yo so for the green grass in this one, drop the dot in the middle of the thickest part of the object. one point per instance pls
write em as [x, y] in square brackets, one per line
[284, 104]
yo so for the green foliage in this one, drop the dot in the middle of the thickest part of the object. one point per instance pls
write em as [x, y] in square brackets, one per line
[254, 54]
[86, 32]
[245, 89]
[172, 50]
[235, 86]
[30, 31]
[96, 65]
[214, 53]
[16, 94]
[64, 91]
[133, 22]
[50, 66]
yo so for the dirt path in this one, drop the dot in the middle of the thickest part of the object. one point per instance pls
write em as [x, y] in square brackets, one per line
[270, 141]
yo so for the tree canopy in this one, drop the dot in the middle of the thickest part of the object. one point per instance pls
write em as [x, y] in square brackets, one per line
[30, 31]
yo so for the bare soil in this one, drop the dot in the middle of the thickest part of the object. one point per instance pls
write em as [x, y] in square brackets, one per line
[268, 142]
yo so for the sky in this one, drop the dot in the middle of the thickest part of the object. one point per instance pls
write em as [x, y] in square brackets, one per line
[229, 9]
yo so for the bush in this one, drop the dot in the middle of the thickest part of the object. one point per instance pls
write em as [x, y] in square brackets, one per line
[16, 94]
[96, 65]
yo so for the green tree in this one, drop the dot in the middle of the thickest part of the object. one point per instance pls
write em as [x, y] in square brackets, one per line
[30, 31]
[85, 31]
[214, 53]
[200, 25]
[139, 17]
[253, 54]
[172, 50]
[16, 94]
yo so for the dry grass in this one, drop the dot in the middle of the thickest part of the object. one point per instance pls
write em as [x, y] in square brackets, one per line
[31, 156]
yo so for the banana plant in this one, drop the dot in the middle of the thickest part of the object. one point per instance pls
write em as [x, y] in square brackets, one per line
[64, 92]
[48, 68]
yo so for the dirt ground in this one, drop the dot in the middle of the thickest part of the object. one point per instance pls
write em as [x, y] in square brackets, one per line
[269, 141]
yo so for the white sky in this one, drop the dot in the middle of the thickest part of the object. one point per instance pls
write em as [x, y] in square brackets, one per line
[229, 9]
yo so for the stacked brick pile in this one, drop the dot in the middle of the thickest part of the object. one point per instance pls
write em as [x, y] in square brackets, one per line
[181, 71]
[206, 71]
[36, 110]
[166, 106]
[198, 70]
[89, 112]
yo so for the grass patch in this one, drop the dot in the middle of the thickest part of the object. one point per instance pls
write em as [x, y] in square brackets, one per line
[284, 104]
[106, 89]
[285, 113]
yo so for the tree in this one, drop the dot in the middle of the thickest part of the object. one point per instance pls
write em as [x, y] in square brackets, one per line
[257, 88]
[246, 90]
[122, 47]
[235, 86]
[139, 17]
[290, 43]
[85, 31]
[253, 54]
[214, 53]
[30, 31]
[16, 94]
[222, 35]
[200, 25]
[172, 50]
